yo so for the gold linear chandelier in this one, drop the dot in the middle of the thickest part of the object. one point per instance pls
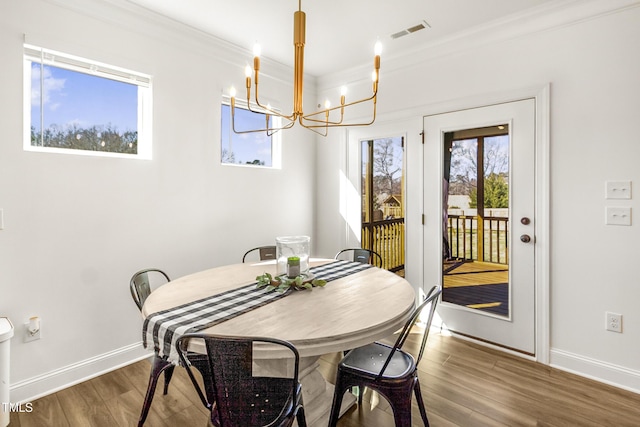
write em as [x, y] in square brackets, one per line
[319, 121]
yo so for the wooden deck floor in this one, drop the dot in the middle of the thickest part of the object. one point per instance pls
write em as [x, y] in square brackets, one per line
[480, 285]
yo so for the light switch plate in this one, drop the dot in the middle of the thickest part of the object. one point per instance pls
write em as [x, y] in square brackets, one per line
[618, 189]
[618, 215]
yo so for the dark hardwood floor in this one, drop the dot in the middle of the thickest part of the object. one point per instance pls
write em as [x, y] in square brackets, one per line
[463, 384]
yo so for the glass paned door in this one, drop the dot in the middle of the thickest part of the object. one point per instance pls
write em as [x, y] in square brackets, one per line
[479, 228]
[475, 265]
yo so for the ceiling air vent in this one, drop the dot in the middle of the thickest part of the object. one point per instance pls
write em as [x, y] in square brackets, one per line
[421, 26]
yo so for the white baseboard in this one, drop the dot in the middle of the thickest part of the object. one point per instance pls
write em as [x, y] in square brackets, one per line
[604, 372]
[50, 382]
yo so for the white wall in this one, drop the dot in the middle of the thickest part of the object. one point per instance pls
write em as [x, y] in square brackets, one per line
[78, 227]
[587, 51]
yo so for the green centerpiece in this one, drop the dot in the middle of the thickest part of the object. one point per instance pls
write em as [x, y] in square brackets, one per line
[283, 283]
[292, 255]
[293, 267]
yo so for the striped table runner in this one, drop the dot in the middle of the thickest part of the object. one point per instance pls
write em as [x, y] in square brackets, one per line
[164, 327]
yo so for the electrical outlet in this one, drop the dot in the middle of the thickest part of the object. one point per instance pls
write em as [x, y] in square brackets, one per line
[29, 336]
[614, 322]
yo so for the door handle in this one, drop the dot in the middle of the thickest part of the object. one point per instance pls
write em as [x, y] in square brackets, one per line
[525, 238]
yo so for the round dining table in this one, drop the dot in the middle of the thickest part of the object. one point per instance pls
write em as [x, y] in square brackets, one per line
[346, 313]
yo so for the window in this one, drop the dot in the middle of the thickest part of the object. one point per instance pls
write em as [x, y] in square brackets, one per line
[382, 189]
[248, 149]
[74, 105]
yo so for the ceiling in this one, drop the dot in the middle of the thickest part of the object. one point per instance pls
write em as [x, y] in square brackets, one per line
[340, 34]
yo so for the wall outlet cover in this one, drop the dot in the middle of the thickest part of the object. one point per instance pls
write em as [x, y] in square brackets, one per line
[620, 215]
[618, 190]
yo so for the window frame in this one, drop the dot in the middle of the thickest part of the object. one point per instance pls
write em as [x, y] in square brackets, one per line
[39, 55]
[276, 140]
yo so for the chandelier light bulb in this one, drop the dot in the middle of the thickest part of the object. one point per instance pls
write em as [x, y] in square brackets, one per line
[377, 48]
[327, 104]
[343, 94]
[257, 50]
[232, 92]
[247, 71]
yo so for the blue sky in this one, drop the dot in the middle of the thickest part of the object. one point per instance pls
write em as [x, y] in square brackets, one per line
[496, 147]
[247, 146]
[74, 98]
[394, 162]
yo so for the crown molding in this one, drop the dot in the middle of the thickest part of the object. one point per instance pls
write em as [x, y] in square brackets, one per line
[546, 17]
[140, 20]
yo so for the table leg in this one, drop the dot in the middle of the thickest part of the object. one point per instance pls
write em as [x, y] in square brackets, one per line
[317, 393]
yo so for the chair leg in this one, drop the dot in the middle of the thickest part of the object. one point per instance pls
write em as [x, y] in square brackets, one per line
[168, 373]
[360, 393]
[302, 421]
[338, 394]
[157, 366]
[355, 390]
[201, 363]
[423, 411]
[400, 401]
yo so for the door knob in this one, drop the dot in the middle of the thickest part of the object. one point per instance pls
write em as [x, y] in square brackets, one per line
[525, 238]
[525, 221]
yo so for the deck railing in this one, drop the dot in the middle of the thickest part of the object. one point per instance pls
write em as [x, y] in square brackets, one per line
[463, 232]
[386, 238]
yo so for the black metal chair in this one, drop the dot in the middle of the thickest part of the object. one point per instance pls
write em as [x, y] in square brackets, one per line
[141, 285]
[143, 282]
[243, 399]
[390, 371]
[365, 256]
[265, 252]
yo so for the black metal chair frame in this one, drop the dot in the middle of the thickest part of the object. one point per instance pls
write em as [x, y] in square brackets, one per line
[239, 397]
[158, 365]
[140, 295]
[266, 252]
[388, 370]
[359, 254]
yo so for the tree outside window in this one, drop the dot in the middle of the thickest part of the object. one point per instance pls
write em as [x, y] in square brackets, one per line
[84, 106]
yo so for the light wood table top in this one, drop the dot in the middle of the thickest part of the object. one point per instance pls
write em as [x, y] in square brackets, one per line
[346, 313]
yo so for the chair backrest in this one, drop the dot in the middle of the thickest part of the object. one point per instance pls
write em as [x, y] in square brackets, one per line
[265, 252]
[230, 381]
[145, 281]
[365, 256]
[431, 301]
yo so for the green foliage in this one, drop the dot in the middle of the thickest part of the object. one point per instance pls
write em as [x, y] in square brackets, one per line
[496, 192]
[96, 138]
[283, 283]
